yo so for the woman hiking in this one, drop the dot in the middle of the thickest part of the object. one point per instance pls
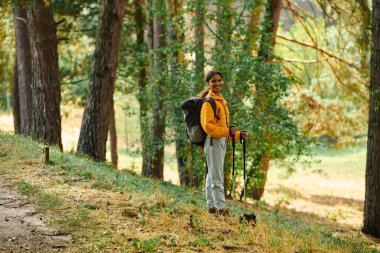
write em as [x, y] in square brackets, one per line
[218, 133]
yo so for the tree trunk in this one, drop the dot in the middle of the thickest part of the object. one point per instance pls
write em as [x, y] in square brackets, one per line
[24, 72]
[199, 36]
[372, 190]
[142, 86]
[268, 40]
[363, 38]
[95, 122]
[267, 44]
[159, 72]
[46, 117]
[176, 40]
[113, 136]
[253, 26]
[224, 30]
[16, 102]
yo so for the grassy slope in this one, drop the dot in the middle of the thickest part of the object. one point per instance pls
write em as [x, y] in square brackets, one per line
[114, 211]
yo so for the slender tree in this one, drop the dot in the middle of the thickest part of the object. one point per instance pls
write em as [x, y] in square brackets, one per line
[46, 94]
[16, 102]
[372, 190]
[113, 135]
[267, 43]
[96, 117]
[199, 36]
[253, 26]
[24, 73]
[142, 75]
[160, 75]
[176, 65]
[193, 172]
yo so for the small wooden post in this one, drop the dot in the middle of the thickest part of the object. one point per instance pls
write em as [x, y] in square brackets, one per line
[46, 152]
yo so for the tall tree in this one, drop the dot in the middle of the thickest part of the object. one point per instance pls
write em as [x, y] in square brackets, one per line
[140, 20]
[372, 190]
[160, 76]
[24, 73]
[267, 43]
[96, 117]
[199, 36]
[176, 65]
[46, 94]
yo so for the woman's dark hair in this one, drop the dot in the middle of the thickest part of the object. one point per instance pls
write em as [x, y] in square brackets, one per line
[211, 73]
[208, 77]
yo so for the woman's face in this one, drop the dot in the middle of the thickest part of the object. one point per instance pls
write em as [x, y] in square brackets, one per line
[215, 83]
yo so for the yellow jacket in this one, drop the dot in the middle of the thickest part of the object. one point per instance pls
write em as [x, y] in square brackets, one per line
[213, 127]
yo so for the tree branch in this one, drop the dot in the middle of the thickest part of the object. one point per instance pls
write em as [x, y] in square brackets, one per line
[209, 28]
[60, 22]
[324, 52]
[344, 84]
[299, 61]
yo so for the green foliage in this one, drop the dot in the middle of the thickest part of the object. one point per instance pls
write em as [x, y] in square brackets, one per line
[255, 91]
[7, 54]
[76, 36]
[200, 241]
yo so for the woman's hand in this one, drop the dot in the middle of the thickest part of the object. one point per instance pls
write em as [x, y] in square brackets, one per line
[244, 135]
[233, 130]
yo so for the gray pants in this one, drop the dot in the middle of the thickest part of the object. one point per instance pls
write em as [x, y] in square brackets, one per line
[215, 177]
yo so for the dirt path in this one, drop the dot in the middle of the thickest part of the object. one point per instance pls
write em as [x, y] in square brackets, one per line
[22, 229]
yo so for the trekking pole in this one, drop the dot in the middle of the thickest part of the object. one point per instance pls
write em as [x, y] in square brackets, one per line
[244, 151]
[233, 164]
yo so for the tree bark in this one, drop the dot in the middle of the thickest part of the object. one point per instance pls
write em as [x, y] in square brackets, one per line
[199, 36]
[253, 26]
[95, 122]
[159, 72]
[142, 86]
[16, 102]
[46, 117]
[372, 190]
[24, 72]
[268, 41]
[113, 136]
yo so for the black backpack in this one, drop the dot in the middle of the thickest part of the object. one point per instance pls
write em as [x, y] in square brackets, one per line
[192, 114]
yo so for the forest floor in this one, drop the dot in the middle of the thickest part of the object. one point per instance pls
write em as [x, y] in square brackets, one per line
[75, 205]
[327, 189]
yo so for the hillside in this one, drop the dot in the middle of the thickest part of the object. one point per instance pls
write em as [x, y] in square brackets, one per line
[96, 209]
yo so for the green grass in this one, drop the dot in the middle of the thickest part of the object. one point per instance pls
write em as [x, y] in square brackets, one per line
[44, 201]
[96, 222]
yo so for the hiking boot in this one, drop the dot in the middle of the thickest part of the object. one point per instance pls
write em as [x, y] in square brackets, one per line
[223, 212]
[212, 210]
